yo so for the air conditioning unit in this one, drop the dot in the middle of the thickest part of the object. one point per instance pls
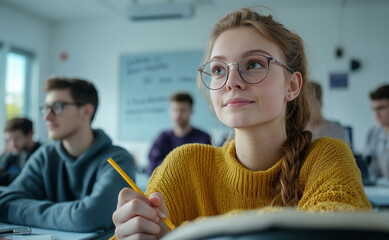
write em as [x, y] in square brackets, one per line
[159, 11]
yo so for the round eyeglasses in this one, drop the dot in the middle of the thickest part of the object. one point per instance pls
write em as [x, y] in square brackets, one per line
[252, 69]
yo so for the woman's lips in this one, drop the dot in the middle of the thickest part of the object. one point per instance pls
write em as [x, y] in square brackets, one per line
[237, 102]
[51, 126]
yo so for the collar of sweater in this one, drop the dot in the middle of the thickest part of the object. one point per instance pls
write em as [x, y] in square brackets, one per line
[249, 183]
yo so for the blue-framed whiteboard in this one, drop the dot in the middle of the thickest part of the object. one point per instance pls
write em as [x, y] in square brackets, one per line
[146, 82]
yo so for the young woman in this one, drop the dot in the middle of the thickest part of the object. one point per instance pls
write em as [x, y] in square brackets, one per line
[254, 71]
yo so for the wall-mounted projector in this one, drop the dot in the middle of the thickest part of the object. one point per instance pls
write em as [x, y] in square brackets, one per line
[158, 11]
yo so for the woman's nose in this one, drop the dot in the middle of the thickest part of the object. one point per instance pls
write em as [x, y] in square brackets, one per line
[234, 79]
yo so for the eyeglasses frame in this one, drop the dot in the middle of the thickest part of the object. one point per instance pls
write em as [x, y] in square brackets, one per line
[269, 59]
[50, 109]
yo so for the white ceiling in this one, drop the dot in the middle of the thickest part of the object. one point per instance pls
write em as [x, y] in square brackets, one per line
[67, 10]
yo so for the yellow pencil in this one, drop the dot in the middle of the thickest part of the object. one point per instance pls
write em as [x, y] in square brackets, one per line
[135, 187]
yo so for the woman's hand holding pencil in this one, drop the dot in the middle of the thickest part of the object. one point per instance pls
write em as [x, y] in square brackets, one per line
[138, 216]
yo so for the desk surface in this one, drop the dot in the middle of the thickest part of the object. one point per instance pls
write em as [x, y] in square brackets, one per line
[378, 195]
[58, 235]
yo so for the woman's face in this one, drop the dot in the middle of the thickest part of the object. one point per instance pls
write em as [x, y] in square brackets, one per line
[239, 104]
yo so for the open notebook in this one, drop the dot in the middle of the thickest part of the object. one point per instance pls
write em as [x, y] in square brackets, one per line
[288, 224]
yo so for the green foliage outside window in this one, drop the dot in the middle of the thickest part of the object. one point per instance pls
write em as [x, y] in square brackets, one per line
[13, 110]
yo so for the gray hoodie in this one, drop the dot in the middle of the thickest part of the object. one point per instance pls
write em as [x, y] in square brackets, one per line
[57, 191]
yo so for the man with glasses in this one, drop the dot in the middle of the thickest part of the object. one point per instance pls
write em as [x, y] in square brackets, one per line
[377, 146]
[68, 185]
[20, 145]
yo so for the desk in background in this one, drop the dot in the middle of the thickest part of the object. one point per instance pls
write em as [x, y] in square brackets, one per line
[58, 235]
[378, 193]
[378, 196]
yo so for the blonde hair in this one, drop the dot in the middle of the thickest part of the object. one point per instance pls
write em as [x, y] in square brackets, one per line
[297, 111]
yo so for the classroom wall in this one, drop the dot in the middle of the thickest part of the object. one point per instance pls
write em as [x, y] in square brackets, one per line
[94, 46]
[21, 30]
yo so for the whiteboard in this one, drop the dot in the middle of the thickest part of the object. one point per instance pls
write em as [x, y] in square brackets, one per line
[146, 82]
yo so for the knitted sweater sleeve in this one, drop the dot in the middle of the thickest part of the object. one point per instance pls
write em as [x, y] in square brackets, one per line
[173, 180]
[330, 179]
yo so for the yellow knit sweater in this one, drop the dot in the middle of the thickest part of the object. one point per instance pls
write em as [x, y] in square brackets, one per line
[201, 180]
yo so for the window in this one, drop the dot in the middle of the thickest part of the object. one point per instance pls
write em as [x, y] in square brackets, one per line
[1, 58]
[17, 83]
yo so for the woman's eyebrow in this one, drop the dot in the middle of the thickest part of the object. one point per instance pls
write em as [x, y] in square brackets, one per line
[245, 54]
[254, 51]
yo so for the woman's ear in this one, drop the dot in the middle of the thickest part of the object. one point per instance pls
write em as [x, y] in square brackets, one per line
[294, 86]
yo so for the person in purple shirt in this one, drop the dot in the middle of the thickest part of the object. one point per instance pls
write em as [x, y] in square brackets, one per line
[183, 132]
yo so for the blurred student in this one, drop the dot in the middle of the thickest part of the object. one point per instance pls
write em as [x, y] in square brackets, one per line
[321, 127]
[377, 144]
[181, 109]
[318, 125]
[18, 133]
[68, 185]
[255, 70]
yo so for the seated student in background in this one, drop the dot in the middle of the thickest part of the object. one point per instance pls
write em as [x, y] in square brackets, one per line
[255, 70]
[181, 109]
[20, 145]
[377, 144]
[68, 185]
[319, 126]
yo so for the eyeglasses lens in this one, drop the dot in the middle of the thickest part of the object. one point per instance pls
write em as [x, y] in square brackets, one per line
[56, 108]
[252, 69]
